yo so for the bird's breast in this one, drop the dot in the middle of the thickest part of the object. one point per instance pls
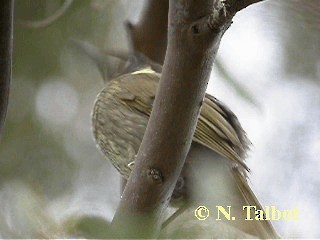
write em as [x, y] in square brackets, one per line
[117, 129]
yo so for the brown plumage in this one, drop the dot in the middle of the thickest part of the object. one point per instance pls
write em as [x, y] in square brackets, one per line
[120, 116]
[122, 110]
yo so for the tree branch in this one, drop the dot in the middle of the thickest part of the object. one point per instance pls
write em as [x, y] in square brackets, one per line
[149, 35]
[195, 31]
[241, 4]
[6, 37]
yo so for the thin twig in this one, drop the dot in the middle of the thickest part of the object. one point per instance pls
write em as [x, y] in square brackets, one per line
[6, 39]
[49, 20]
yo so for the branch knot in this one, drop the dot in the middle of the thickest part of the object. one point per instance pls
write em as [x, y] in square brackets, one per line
[155, 175]
[220, 19]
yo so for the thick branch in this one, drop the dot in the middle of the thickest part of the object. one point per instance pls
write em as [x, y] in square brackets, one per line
[6, 37]
[149, 35]
[194, 35]
[195, 31]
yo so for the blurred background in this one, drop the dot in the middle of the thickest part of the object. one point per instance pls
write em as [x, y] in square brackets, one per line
[267, 71]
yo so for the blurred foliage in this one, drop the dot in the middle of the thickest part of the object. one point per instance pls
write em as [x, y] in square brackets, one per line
[28, 151]
[232, 81]
[46, 44]
[48, 157]
[300, 30]
[90, 227]
[53, 181]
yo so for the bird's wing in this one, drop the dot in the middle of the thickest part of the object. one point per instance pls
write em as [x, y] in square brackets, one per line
[264, 228]
[219, 129]
[139, 89]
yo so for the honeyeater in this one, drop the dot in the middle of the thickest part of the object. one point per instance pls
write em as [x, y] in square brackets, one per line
[121, 112]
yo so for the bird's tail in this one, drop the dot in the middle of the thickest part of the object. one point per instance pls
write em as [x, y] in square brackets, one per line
[219, 129]
[264, 228]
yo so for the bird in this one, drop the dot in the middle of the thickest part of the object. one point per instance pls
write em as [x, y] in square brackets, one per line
[120, 116]
[122, 110]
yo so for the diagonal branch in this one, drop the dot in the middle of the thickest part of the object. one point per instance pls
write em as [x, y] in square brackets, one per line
[6, 37]
[149, 35]
[194, 34]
